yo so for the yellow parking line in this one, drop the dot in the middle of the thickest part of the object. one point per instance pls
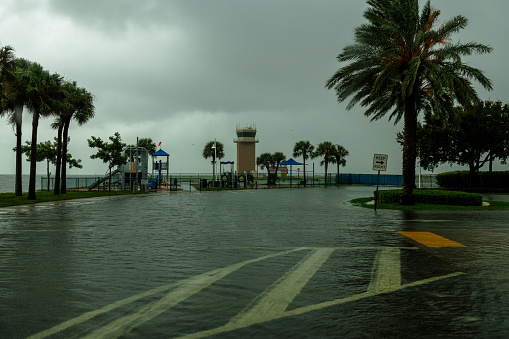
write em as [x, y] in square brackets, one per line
[430, 239]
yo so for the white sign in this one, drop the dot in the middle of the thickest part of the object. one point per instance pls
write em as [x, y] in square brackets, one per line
[380, 162]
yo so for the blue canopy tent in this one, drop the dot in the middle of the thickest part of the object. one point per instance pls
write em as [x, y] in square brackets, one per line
[291, 162]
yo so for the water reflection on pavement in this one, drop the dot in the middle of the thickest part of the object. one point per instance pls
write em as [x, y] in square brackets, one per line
[265, 263]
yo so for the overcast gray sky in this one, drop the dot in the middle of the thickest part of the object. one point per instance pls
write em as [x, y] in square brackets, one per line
[186, 72]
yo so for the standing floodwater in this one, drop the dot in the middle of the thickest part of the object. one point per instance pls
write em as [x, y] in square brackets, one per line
[286, 263]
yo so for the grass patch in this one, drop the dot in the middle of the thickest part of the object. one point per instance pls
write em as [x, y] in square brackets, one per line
[494, 205]
[10, 199]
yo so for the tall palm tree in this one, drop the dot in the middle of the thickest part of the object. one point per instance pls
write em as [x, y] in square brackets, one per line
[339, 154]
[15, 82]
[326, 151]
[304, 149]
[44, 93]
[78, 104]
[401, 64]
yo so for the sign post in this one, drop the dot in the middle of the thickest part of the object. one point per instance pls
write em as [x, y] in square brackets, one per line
[379, 164]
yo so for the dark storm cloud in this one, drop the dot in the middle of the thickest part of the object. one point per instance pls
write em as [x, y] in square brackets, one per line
[232, 57]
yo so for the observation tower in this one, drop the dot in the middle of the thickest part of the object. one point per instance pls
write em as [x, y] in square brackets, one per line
[246, 143]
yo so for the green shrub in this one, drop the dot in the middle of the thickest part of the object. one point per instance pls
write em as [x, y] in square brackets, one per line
[454, 179]
[482, 180]
[429, 196]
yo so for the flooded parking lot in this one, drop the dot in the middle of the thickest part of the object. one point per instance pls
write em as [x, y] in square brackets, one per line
[289, 263]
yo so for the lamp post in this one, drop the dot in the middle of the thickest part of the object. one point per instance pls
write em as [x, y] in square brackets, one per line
[214, 165]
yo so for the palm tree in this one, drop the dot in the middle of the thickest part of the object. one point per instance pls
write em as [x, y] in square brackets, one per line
[403, 64]
[304, 149]
[213, 149]
[339, 154]
[15, 82]
[326, 150]
[78, 104]
[44, 93]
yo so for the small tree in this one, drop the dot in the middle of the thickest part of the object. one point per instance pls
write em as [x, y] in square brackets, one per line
[268, 160]
[478, 135]
[277, 157]
[264, 160]
[110, 153]
[148, 144]
[48, 151]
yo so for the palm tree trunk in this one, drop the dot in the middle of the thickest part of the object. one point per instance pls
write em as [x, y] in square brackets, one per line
[326, 164]
[18, 111]
[304, 162]
[64, 156]
[409, 152]
[337, 179]
[33, 157]
[47, 171]
[56, 188]
[19, 161]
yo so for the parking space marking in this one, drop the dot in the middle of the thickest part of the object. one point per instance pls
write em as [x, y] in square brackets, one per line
[429, 239]
[193, 284]
[274, 301]
[388, 258]
[268, 306]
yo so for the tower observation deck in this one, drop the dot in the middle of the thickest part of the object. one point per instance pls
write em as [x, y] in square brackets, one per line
[246, 150]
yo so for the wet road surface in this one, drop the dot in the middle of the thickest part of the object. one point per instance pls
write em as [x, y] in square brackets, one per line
[284, 263]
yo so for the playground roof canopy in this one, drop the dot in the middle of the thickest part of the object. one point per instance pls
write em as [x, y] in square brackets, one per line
[160, 153]
[290, 162]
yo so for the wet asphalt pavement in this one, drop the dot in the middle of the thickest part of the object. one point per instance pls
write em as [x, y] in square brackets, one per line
[289, 263]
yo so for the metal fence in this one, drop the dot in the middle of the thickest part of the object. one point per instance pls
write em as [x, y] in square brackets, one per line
[192, 182]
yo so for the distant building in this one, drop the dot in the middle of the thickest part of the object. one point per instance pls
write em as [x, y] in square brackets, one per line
[246, 142]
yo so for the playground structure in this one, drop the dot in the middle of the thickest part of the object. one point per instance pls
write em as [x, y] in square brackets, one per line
[131, 176]
[160, 169]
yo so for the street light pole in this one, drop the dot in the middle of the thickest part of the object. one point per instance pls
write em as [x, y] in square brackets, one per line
[214, 165]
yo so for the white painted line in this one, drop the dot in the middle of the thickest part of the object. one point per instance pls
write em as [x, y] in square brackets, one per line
[320, 306]
[386, 274]
[195, 283]
[316, 307]
[276, 299]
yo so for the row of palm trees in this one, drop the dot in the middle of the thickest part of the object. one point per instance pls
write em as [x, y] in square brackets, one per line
[27, 85]
[329, 152]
